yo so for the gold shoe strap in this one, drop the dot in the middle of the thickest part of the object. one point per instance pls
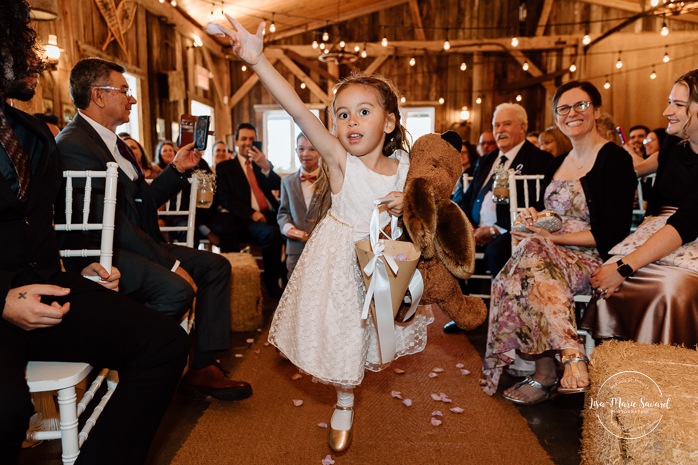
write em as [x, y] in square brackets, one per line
[340, 407]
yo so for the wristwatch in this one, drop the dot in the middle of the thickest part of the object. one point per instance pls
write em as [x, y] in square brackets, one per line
[624, 269]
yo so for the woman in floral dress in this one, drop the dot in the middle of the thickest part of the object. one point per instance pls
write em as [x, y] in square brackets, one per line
[532, 309]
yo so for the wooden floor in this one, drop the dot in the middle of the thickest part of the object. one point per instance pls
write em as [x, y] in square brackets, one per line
[557, 423]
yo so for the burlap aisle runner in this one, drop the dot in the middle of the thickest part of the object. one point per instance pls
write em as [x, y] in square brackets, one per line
[268, 429]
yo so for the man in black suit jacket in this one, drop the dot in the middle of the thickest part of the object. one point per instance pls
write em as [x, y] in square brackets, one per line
[47, 314]
[163, 276]
[253, 216]
[492, 221]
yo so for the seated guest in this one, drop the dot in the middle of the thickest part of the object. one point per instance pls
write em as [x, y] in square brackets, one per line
[305, 198]
[532, 308]
[245, 186]
[150, 170]
[647, 292]
[653, 141]
[165, 153]
[607, 128]
[553, 141]
[220, 153]
[164, 277]
[48, 314]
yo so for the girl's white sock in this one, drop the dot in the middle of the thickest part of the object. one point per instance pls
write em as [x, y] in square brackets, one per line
[342, 419]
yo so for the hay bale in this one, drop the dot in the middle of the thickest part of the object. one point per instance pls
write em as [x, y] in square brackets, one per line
[245, 292]
[642, 405]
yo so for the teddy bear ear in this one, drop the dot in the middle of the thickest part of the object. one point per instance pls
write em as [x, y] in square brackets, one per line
[453, 138]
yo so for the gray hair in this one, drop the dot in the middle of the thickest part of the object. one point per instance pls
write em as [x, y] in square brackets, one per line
[520, 111]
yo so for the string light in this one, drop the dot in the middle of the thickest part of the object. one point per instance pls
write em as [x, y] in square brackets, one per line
[573, 67]
[173, 3]
[441, 101]
[403, 99]
[413, 61]
[525, 66]
[654, 3]
[325, 36]
[322, 45]
[243, 68]
[303, 86]
[478, 100]
[447, 44]
[665, 30]
[619, 63]
[607, 84]
[357, 49]
[464, 113]
[162, 1]
[519, 98]
[272, 26]
[653, 74]
[463, 66]
[342, 44]
[514, 41]
[315, 45]
[384, 41]
[364, 53]
[586, 40]
[666, 55]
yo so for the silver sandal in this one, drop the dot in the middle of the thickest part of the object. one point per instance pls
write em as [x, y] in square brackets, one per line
[572, 360]
[550, 391]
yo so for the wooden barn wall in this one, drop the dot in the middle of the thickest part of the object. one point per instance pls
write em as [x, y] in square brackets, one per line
[162, 55]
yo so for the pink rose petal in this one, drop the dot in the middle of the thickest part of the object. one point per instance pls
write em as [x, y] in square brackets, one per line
[433, 375]
[259, 330]
[238, 355]
[464, 371]
[396, 394]
[435, 422]
[322, 424]
[266, 344]
[407, 402]
[437, 413]
[297, 402]
[399, 371]
[438, 370]
[457, 410]
[250, 340]
[257, 351]
[460, 365]
[328, 460]
[435, 397]
[296, 376]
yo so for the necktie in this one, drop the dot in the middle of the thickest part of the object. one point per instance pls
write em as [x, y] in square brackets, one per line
[126, 152]
[477, 206]
[256, 190]
[19, 159]
[308, 177]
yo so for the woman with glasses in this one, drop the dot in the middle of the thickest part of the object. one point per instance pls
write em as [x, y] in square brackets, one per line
[590, 190]
[647, 291]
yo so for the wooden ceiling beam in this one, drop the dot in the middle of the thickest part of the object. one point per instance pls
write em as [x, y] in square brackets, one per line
[544, 17]
[636, 7]
[375, 64]
[533, 70]
[417, 21]
[216, 76]
[312, 85]
[311, 64]
[245, 88]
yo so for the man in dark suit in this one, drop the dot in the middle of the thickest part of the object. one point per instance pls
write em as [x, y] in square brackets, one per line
[303, 201]
[163, 276]
[47, 314]
[244, 188]
[492, 221]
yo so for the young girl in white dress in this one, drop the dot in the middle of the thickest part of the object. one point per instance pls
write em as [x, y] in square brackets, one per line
[318, 324]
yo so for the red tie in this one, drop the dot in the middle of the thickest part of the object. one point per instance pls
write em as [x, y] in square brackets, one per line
[258, 194]
[308, 177]
[19, 159]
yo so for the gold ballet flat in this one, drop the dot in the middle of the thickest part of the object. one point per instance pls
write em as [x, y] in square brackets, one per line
[339, 440]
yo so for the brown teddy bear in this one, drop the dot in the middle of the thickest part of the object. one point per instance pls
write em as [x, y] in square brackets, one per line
[440, 229]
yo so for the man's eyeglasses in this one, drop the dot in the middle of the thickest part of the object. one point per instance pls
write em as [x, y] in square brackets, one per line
[123, 90]
[579, 107]
[648, 140]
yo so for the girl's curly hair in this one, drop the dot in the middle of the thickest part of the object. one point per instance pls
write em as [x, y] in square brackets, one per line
[19, 51]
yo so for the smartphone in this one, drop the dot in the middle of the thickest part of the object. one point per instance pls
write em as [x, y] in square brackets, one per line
[201, 132]
[621, 134]
[257, 144]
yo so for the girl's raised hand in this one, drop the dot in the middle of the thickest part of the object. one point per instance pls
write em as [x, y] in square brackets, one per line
[246, 46]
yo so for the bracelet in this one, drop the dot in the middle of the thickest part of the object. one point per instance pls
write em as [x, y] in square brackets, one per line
[175, 167]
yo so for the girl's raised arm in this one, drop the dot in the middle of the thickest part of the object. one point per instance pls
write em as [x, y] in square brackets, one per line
[248, 48]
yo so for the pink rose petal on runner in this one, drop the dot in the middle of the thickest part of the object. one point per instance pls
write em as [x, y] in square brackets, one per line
[328, 460]
[407, 402]
[238, 355]
[396, 394]
[438, 370]
[250, 340]
[297, 402]
[457, 410]
[267, 344]
[296, 376]
[322, 424]
[460, 365]
[257, 351]
[435, 397]
[433, 375]
[399, 371]
[464, 371]
[437, 413]
[435, 422]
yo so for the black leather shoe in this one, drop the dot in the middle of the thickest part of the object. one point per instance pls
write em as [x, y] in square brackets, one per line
[212, 381]
[452, 328]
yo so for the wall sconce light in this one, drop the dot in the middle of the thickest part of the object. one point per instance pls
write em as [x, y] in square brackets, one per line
[465, 113]
[53, 53]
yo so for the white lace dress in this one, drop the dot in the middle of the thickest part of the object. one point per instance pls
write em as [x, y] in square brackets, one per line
[317, 324]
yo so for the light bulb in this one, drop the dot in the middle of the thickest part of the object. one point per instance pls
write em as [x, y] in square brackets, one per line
[53, 53]
[173, 3]
[478, 100]
[272, 27]
[586, 40]
[619, 64]
[243, 68]
[322, 45]
[653, 75]
[665, 30]
[303, 86]
[315, 44]
[441, 101]
[403, 99]
[463, 66]
[666, 58]
[384, 42]
[447, 45]
[364, 53]
[514, 41]
[356, 49]
[519, 98]
[464, 113]
[325, 36]
[654, 3]
[525, 66]
[342, 44]
[162, 1]
[326, 51]
[573, 68]
[413, 61]
[606, 85]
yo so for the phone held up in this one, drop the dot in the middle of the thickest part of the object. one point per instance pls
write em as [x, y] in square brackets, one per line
[194, 129]
[258, 145]
[621, 134]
